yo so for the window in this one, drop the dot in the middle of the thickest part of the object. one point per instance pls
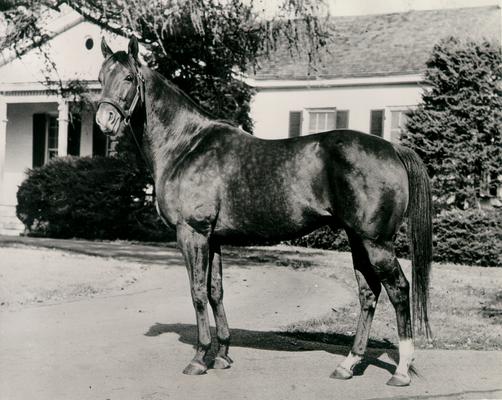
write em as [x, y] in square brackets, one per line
[52, 138]
[376, 122]
[46, 137]
[321, 120]
[89, 43]
[318, 120]
[397, 124]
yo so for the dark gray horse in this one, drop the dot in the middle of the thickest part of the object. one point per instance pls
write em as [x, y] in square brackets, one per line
[216, 184]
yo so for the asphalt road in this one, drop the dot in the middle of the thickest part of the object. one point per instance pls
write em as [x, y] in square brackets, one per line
[132, 342]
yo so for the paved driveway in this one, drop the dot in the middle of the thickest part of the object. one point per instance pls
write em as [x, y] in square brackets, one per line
[84, 327]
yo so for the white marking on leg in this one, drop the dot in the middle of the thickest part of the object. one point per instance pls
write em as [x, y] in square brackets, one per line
[350, 361]
[406, 350]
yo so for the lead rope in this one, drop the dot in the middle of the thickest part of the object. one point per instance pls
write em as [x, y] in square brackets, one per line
[140, 94]
[149, 167]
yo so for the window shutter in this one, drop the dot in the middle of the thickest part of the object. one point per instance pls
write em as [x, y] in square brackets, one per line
[295, 123]
[376, 122]
[39, 131]
[98, 141]
[74, 129]
[342, 119]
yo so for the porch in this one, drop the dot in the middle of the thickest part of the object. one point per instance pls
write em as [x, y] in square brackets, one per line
[36, 126]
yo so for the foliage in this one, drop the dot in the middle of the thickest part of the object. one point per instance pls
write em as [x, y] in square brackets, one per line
[94, 198]
[456, 128]
[201, 45]
[20, 24]
[324, 238]
[471, 237]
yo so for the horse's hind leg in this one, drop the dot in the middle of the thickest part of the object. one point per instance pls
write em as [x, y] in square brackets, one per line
[387, 267]
[369, 290]
[195, 249]
[222, 360]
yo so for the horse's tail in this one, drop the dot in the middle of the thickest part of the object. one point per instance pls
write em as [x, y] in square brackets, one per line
[419, 234]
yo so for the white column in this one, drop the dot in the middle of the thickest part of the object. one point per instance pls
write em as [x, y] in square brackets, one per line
[3, 143]
[63, 128]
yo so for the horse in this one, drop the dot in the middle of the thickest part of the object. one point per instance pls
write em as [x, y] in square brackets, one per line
[216, 185]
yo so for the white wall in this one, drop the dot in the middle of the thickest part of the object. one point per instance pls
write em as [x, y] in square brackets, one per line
[270, 107]
[68, 51]
[19, 145]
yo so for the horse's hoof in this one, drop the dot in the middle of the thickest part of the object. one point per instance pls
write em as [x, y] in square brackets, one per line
[399, 380]
[222, 363]
[342, 373]
[195, 368]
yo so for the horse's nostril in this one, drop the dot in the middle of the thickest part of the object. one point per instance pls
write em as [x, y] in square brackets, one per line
[111, 116]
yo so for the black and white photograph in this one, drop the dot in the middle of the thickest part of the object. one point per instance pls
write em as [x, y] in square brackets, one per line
[250, 199]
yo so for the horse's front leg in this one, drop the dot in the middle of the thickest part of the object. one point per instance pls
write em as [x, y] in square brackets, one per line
[195, 249]
[222, 360]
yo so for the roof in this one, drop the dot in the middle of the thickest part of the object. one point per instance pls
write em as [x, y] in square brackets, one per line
[385, 44]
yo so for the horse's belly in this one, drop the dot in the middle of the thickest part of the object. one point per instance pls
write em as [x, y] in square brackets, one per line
[268, 223]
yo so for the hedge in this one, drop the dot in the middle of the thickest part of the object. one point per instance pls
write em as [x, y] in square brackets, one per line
[91, 198]
[471, 237]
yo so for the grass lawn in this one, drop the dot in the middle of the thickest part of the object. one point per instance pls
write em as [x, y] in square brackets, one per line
[465, 306]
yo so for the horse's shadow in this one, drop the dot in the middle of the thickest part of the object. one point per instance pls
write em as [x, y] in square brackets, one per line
[333, 343]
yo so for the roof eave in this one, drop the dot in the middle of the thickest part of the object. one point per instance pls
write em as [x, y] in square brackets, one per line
[263, 84]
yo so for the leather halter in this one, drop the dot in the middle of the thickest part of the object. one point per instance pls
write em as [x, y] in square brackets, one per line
[139, 95]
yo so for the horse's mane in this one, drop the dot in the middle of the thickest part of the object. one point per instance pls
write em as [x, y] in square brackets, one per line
[191, 101]
[185, 134]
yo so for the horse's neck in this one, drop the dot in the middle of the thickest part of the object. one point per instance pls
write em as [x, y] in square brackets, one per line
[173, 124]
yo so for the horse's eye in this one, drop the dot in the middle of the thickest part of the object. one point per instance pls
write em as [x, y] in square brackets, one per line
[128, 78]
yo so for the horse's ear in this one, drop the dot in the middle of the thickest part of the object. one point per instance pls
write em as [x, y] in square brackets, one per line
[105, 49]
[133, 48]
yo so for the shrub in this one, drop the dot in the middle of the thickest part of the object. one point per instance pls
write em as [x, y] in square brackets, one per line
[92, 198]
[456, 129]
[471, 237]
[324, 238]
[327, 239]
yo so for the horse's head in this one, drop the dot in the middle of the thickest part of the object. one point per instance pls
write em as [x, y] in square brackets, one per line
[122, 87]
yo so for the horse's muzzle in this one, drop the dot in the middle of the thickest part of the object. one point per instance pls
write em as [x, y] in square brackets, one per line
[108, 119]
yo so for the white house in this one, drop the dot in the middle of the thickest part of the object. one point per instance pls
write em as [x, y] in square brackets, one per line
[370, 75]
[371, 72]
[35, 124]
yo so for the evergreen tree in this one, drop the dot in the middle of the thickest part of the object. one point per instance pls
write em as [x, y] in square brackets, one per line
[457, 128]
